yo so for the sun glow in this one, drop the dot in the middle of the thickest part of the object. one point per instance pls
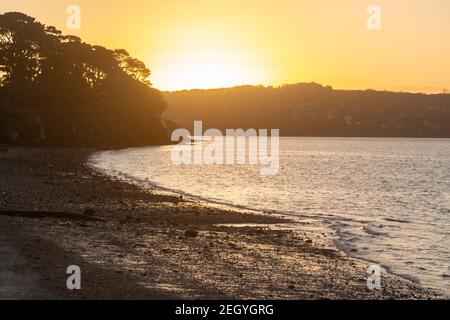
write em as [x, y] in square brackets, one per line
[206, 69]
[206, 44]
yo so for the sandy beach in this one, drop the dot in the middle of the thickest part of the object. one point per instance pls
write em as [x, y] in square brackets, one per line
[139, 244]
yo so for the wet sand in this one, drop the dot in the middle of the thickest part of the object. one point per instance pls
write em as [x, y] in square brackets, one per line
[138, 244]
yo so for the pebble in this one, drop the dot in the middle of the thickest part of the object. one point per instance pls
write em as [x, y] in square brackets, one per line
[89, 212]
[191, 233]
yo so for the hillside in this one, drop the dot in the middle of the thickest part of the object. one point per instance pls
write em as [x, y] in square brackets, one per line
[309, 109]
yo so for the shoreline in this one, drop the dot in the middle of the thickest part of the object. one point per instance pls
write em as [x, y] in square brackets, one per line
[337, 241]
[145, 245]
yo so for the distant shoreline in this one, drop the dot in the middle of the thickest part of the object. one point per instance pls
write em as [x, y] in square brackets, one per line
[311, 109]
[5, 145]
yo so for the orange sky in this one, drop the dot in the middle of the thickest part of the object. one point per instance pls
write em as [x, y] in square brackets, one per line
[215, 43]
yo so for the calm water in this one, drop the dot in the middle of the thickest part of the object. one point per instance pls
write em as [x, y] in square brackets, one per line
[384, 200]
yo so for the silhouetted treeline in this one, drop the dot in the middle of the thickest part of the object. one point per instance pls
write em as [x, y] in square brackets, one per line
[57, 90]
[313, 110]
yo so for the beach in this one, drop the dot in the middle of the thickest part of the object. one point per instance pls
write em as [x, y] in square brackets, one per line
[132, 243]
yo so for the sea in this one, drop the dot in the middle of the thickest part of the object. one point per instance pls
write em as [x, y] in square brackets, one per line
[384, 200]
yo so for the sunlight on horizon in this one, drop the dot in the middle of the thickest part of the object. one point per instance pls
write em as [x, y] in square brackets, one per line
[209, 44]
[205, 70]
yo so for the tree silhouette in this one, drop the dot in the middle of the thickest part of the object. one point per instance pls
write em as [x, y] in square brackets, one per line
[56, 89]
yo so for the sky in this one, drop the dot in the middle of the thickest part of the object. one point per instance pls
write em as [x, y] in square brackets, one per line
[220, 43]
